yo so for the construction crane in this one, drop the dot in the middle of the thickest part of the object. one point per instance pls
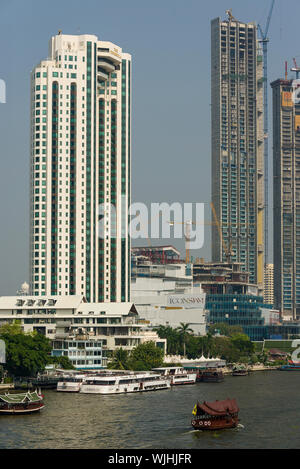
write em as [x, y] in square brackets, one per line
[295, 68]
[264, 40]
[187, 234]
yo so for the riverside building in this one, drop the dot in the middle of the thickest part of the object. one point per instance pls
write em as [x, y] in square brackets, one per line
[80, 170]
[74, 326]
[237, 145]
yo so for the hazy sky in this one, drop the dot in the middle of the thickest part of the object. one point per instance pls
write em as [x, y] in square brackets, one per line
[170, 45]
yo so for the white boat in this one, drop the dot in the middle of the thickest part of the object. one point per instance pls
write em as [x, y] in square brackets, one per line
[177, 375]
[124, 383]
[70, 383]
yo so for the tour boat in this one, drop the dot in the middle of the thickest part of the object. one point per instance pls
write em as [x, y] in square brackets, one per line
[177, 375]
[21, 403]
[215, 415]
[70, 383]
[210, 375]
[124, 383]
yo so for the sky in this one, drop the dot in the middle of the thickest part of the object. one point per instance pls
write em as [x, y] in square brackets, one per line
[170, 45]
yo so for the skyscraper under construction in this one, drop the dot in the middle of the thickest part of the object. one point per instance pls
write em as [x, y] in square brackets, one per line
[286, 172]
[237, 145]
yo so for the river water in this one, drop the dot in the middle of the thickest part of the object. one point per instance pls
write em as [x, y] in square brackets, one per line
[269, 404]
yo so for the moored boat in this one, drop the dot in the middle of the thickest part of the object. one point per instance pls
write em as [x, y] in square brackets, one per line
[21, 403]
[210, 375]
[290, 367]
[176, 375]
[215, 415]
[70, 383]
[239, 371]
[124, 383]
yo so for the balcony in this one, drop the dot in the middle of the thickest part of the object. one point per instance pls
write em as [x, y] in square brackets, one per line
[62, 335]
[106, 66]
[63, 324]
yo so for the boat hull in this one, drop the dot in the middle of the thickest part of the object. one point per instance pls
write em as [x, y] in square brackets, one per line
[98, 389]
[21, 410]
[178, 380]
[215, 424]
[67, 388]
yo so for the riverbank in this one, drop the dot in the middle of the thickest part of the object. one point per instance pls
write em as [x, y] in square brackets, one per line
[260, 367]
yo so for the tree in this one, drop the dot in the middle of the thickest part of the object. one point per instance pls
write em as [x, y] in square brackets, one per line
[243, 344]
[184, 330]
[119, 360]
[224, 329]
[63, 362]
[145, 357]
[172, 336]
[26, 354]
[11, 329]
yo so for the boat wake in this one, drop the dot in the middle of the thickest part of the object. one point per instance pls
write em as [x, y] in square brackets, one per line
[240, 426]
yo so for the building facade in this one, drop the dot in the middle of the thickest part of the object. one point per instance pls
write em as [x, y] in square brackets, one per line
[269, 284]
[286, 177]
[164, 294]
[68, 320]
[80, 170]
[237, 145]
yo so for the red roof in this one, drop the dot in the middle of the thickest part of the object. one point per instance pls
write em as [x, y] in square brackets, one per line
[228, 406]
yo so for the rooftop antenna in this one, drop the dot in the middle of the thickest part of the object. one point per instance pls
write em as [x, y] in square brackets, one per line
[264, 40]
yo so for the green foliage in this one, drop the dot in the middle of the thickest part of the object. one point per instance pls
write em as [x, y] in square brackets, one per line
[184, 331]
[232, 345]
[145, 357]
[62, 362]
[26, 354]
[11, 329]
[224, 329]
[173, 339]
[243, 344]
[119, 360]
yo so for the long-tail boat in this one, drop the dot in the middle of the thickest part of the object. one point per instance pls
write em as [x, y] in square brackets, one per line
[215, 415]
[21, 403]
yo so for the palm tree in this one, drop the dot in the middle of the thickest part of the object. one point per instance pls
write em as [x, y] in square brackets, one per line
[119, 359]
[184, 330]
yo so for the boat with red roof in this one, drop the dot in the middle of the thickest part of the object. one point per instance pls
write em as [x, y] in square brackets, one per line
[215, 415]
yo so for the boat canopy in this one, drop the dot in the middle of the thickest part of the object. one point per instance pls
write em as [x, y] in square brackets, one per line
[228, 406]
[20, 397]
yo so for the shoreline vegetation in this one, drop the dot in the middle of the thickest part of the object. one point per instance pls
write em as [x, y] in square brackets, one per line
[27, 354]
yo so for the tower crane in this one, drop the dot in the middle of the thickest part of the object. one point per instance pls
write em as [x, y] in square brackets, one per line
[295, 68]
[187, 234]
[264, 40]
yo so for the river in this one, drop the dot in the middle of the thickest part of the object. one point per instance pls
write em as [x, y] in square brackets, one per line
[269, 404]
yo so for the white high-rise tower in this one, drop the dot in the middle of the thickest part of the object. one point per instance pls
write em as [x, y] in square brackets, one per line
[80, 170]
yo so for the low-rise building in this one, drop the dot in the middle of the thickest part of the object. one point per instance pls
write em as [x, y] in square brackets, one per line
[105, 326]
